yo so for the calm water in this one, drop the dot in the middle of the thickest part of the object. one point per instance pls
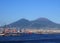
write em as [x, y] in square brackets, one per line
[31, 38]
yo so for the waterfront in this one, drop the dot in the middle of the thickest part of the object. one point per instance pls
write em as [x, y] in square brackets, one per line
[31, 38]
[17, 31]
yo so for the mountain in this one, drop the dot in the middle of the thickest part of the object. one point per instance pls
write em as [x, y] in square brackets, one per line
[35, 24]
[22, 23]
[44, 23]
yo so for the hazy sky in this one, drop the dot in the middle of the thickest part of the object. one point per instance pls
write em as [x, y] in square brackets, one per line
[13, 10]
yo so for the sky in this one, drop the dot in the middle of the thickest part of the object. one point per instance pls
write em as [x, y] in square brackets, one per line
[13, 10]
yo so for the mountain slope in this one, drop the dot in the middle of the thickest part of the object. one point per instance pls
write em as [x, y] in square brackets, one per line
[38, 23]
[43, 23]
[22, 23]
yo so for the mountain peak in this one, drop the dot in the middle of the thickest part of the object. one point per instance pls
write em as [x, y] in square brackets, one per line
[42, 19]
[38, 23]
[23, 19]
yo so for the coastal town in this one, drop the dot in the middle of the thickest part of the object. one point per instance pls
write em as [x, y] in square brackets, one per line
[17, 31]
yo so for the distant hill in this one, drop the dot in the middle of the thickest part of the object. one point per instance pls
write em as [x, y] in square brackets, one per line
[35, 24]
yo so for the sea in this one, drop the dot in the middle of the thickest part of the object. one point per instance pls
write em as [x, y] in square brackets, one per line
[31, 38]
